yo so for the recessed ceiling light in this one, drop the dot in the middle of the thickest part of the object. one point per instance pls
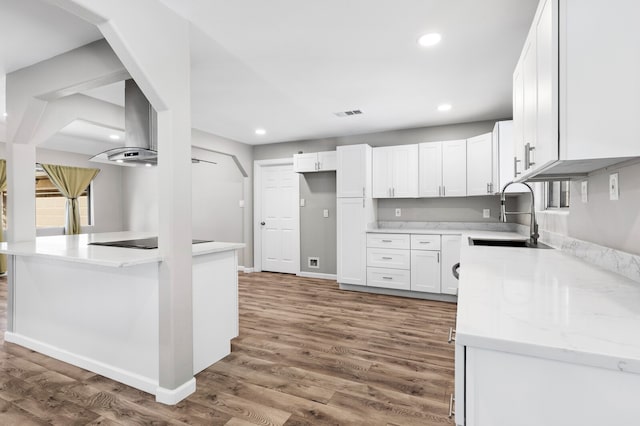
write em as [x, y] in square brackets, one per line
[114, 137]
[261, 132]
[5, 115]
[147, 165]
[119, 161]
[429, 40]
[444, 107]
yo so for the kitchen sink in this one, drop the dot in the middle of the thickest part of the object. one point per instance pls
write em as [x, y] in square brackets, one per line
[506, 243]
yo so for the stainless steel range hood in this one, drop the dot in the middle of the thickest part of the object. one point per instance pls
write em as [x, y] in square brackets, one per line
[140, 131]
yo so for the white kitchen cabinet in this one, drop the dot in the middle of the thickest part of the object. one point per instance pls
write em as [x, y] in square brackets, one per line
[388, 258]
[430, 182]
[450, 253]
[425, 271]
[391, 241]
[397, 279]
[443, 169]
[573, 106]
[454, 168]
[503, 154]
[353, 214]
[353, 174]
[506, 388]
[395, 171]
[315, 162]
[480, 165]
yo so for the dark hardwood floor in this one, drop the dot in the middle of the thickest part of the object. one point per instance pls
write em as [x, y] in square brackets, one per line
[307, 354]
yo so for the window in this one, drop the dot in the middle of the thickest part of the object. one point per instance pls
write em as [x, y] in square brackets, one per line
[51, 204]
[557, 194]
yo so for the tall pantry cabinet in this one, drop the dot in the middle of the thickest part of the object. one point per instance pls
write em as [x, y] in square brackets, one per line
[355, 211]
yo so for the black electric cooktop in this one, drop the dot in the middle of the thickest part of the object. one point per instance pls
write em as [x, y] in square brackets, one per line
[141, 243]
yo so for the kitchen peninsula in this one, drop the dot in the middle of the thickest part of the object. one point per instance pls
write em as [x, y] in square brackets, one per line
[97, 307]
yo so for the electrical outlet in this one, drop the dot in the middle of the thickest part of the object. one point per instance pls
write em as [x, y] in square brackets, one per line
[325, 213]
[241, 203]
[301, 202]
[398, 212]
[614, 191]
[486, 213]
[314, 262]
[584, 190]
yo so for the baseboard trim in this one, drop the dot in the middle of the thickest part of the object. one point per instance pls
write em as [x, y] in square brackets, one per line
[401, 293]
[245, 270]
[123, 376]
[173, 396]
[317, 275]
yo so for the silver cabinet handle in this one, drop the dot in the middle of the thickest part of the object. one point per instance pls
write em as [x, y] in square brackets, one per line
[438, 257]
[425, 242]
[444, 191]
[451, 401]
[451, 335]
[527, 156]
[515, 167]
[387, 278]
[363, 191]
[393, 192]
[488, 188]
[363, 203]
[387, 258]
[387, 241]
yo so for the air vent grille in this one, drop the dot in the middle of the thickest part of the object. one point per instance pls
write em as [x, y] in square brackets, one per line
[348, 113]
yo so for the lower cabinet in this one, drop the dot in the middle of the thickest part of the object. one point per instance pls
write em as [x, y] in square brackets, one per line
[450, 256]
[502, 388]
[414, 262]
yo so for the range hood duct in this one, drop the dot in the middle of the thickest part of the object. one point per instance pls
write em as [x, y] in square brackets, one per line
[140, 122]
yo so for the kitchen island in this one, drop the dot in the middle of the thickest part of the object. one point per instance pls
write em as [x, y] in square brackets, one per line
[97, 307]
[544, 338]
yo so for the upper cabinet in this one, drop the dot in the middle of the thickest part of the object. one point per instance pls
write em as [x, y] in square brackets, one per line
[353, 178]
[503, 155]
[443, 169]
[315, 162]
[395, 169]
[574, 107]
[480, 167]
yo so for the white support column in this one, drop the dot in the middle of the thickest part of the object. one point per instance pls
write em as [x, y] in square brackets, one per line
[21, 192]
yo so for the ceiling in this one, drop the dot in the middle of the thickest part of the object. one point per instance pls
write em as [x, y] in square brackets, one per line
[287, 65]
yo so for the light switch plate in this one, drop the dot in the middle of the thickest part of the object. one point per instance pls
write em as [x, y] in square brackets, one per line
[301, 202]
[325, 213]
[584, 190]
[486, 213]
[614, 191]
[398, 212]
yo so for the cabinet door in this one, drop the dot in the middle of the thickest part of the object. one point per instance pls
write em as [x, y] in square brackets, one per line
[530, 102]
[353, 172]
[480, 165]
[546, 147]
[516, 160]
[450, 256]
[305, 162]
[425, 271]
[382, 172]
[405, 171]
[454, 168]
[430, 169]
[327, 161]
[351, 241]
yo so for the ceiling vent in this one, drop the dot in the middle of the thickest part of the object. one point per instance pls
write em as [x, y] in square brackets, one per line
[348, 113]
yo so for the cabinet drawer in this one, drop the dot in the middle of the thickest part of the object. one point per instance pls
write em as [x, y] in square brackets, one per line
[388, 258]
[425, 242]
[394, 241]
[389, 278]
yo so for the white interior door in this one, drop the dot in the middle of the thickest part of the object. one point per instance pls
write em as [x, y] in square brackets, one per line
[280, 242]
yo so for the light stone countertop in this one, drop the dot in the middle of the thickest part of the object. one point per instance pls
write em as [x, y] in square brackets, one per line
[548, 304]
[75, 248]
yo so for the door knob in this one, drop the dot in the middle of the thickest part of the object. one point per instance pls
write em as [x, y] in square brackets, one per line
[262, 223]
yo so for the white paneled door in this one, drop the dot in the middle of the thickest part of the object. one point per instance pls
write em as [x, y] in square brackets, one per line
[279, 219]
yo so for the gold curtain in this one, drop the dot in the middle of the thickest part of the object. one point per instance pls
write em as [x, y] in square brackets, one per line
[71, 182]
[3, 187]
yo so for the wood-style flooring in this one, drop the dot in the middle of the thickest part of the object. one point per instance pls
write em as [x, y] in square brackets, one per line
[307, 354]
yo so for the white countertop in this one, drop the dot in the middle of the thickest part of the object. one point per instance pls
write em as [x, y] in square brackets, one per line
[75, 248]
[548, 304]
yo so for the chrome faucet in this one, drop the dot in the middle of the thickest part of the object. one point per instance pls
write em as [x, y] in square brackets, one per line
[533, 225]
